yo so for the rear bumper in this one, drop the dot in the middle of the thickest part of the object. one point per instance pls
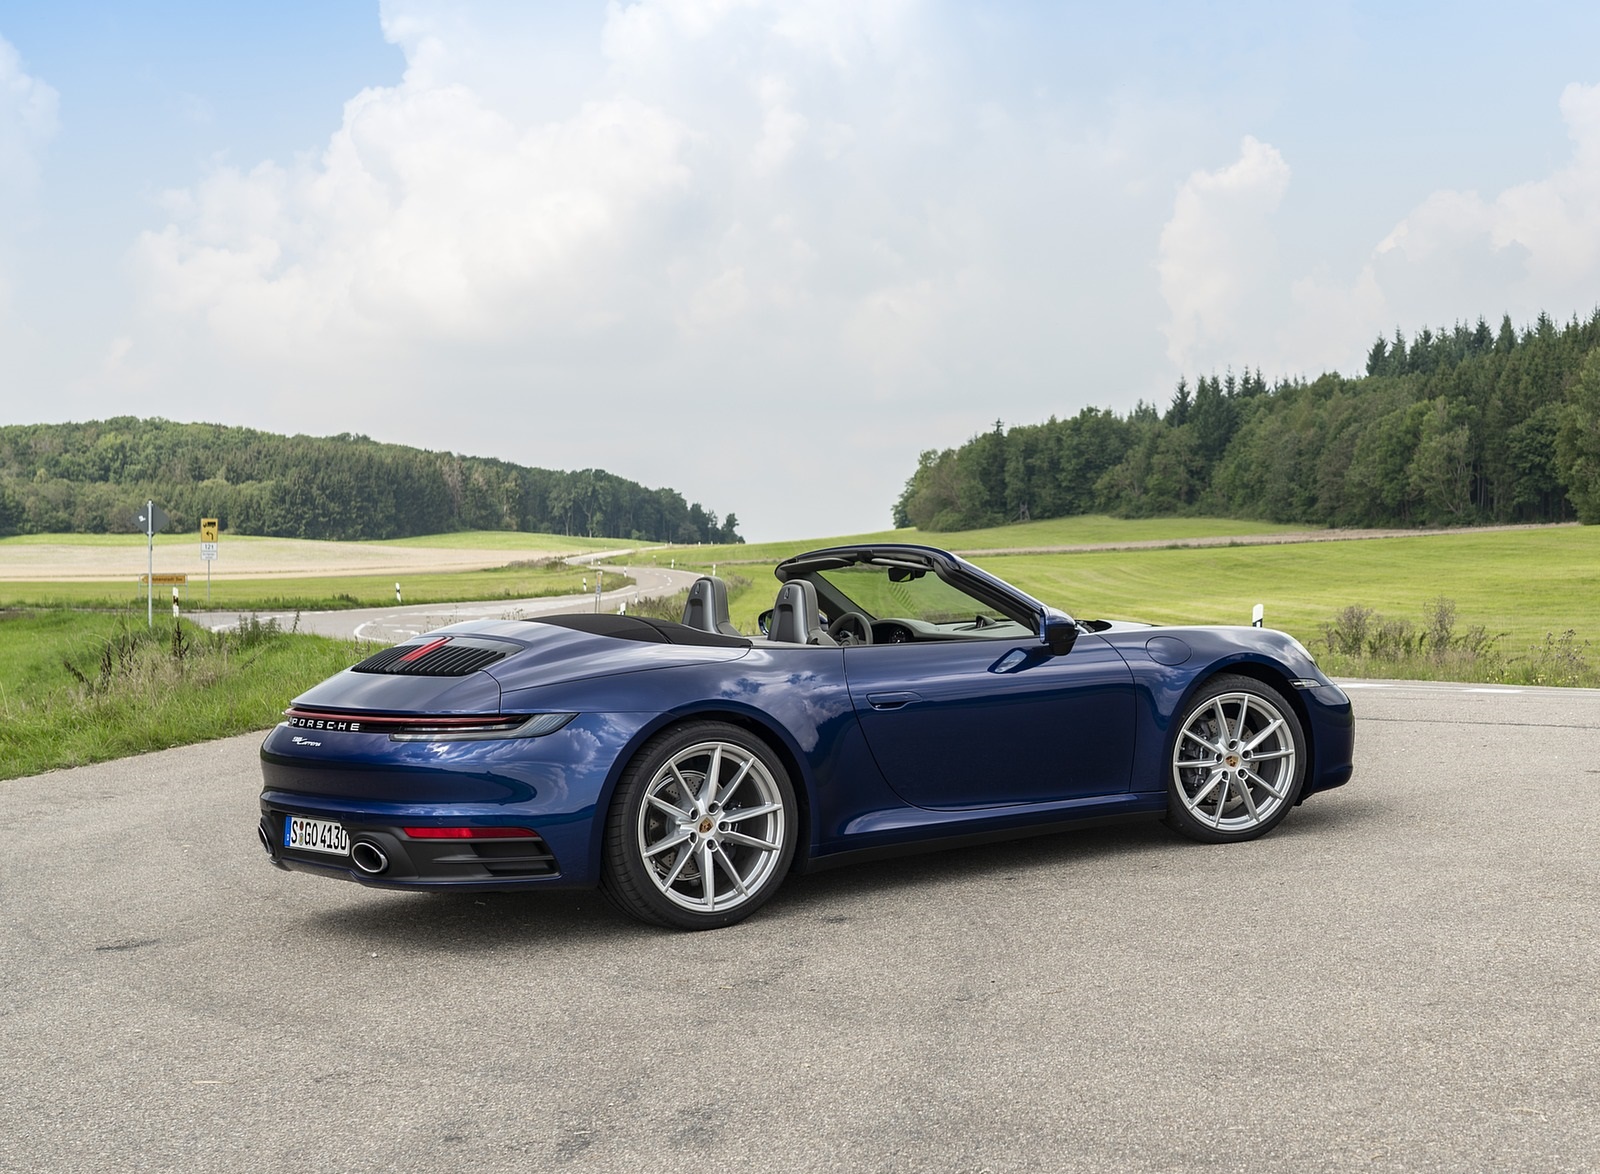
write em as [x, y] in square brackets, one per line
[382, 855]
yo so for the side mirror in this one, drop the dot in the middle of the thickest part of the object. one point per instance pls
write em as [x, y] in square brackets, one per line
[764, 622]
[1058, 632]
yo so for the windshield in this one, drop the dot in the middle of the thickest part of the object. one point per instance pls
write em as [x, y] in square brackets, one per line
[899, 593]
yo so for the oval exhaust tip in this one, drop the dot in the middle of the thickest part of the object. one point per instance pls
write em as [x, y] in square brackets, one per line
[368, 857]
[266, 840]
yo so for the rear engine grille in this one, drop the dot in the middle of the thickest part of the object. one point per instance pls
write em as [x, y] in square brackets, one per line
[442, 656]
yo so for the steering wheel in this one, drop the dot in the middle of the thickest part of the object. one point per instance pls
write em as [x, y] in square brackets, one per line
[851, 628]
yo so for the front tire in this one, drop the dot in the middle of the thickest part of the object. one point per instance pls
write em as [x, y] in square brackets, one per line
[1237, 762]
[701, 830]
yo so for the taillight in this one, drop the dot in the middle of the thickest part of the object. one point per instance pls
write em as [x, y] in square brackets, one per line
[466, 833]
[463, 728]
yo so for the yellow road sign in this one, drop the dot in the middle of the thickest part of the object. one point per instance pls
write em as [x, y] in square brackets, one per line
[164, 580]
[208, 529]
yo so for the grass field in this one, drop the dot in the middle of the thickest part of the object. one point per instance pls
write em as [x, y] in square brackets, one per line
[80, 687]
[1523, 586]
[1088, 530]
[511, 540]
[310, 593]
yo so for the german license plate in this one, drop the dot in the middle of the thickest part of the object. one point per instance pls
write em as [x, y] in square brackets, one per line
[315, 835]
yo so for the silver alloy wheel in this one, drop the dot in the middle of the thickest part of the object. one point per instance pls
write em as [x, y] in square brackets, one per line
[1234, 762]
[711, 827]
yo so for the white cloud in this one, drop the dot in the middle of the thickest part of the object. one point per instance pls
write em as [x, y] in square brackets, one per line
[1534, 246]
[428, 217]
[737, 211]
[27, 121]
[1218, 256]
[1543, 235]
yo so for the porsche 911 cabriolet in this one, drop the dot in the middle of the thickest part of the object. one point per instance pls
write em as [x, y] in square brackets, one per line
[897, 698]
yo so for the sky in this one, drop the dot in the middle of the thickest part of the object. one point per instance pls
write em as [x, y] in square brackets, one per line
[763, 253]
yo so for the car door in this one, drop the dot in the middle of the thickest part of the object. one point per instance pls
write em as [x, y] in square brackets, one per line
[982, 723]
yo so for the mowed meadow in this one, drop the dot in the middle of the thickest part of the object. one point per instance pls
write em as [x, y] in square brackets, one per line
[1534, 591]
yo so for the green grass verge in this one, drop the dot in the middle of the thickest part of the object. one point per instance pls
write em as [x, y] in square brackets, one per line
[81, 687]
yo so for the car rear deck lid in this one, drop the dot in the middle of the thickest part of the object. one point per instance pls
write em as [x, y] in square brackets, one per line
[641, 628]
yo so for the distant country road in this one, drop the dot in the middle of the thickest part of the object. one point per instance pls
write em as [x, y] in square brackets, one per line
[390, 625]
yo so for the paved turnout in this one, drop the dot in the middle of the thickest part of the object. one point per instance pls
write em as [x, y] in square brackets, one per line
[1401, 977]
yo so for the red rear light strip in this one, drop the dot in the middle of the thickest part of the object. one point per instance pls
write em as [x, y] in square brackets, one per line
[376, 722]
[460, 833]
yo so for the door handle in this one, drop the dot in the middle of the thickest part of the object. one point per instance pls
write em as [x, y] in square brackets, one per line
[892, 700]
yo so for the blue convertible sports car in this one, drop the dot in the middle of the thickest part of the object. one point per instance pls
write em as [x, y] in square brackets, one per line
[899, 698]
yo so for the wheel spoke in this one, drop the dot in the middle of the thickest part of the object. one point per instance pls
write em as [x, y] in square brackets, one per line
[683, 858]
[742, 813]
[1269, 755]
[748, 841]
[724, 794]
[670, 841]
[1199, 796]
[1244, 712]
[1212, 748]
[1263, 784]
[708, 791]
[1249, 800]
[733, 875]
[1273, 727]
[1196, 763]
[684, 788]
[661, 804]
[708, 876]
[1222, 801]
[1222, 721]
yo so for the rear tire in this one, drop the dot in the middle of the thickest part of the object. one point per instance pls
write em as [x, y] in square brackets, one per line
[701, 830]
[1236, 763]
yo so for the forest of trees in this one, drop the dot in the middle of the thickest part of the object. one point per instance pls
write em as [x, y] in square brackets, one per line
[93, 477]
[1456, 427]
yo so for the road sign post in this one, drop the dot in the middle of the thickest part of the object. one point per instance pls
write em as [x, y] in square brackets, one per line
[149, 520]
[208, 550]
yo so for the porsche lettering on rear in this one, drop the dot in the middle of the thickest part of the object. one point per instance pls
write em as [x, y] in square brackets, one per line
[320, 723]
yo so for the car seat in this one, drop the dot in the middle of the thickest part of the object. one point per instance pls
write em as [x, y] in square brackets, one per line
[795, 619]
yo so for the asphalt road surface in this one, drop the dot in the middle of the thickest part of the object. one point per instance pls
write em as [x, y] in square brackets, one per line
[391, 625]
[1402, 976]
